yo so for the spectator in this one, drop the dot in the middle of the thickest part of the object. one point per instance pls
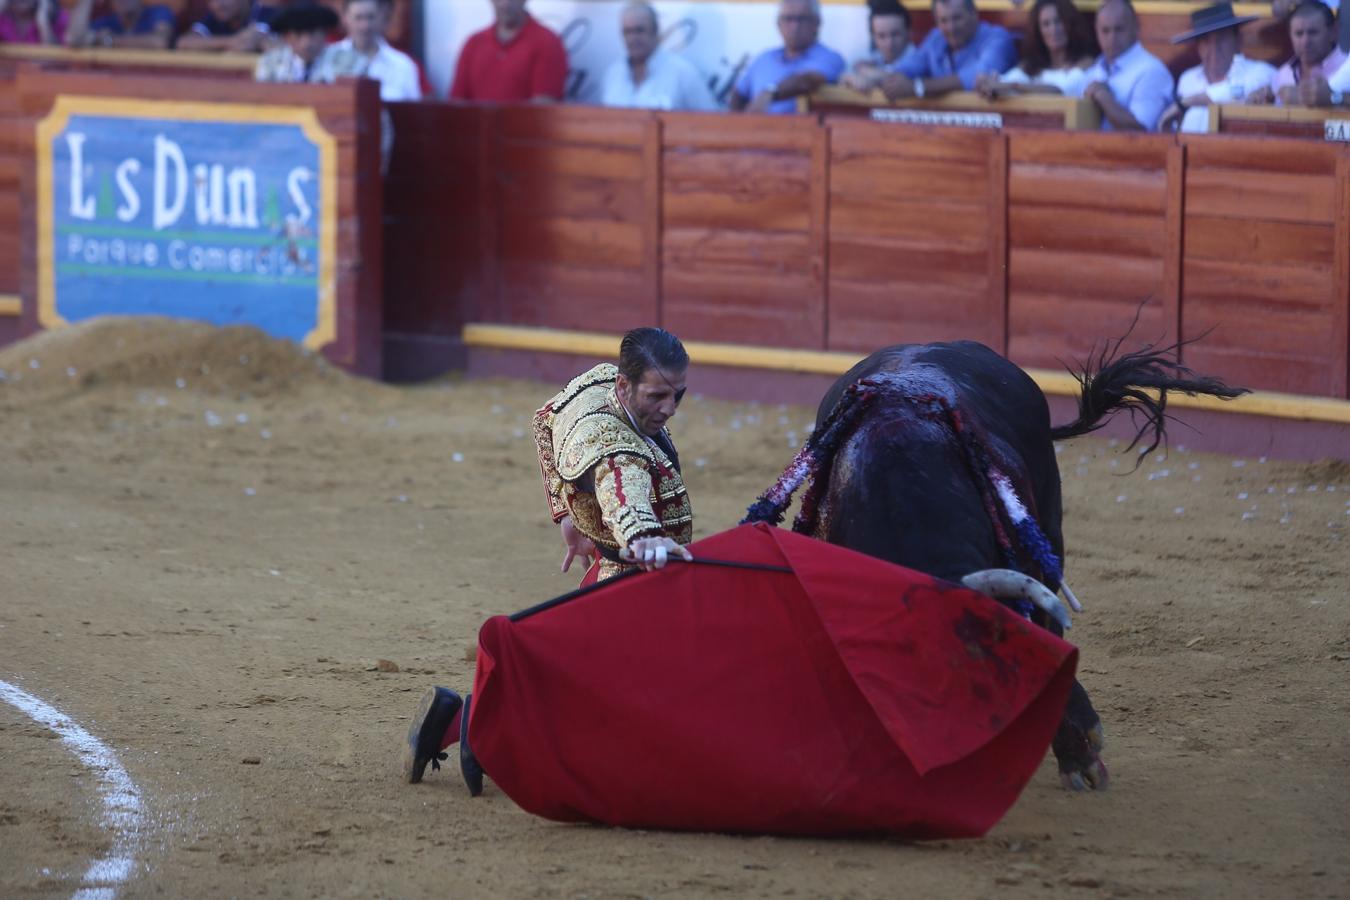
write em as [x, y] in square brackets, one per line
[776, 78]
[1130, 86]
[513, 60]
[1312, 31]
[650, 77]
[32, 22]
[229, 26]
[888, 23]
[366, 21]
[305, 56]
[131, 23]
[953, 55]
[1223, 76]
[1056, 55]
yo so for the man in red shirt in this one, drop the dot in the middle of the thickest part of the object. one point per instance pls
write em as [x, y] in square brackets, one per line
[514, 60]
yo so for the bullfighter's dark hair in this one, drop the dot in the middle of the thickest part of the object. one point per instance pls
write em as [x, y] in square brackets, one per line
[650, 348]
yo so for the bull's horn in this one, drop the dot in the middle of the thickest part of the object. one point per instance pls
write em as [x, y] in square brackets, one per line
[1069, 595]
[1005, 584]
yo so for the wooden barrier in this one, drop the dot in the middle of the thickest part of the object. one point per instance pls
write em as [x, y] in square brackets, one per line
[846, 235]
[1275, 121]
[1026, 111]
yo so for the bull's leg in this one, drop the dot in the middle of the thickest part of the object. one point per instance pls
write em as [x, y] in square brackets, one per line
[1078, 743]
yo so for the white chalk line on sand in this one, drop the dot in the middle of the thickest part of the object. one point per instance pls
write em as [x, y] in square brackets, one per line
[121, 797]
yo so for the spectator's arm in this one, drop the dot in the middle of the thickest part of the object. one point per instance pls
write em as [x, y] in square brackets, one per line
[945, 84]
[549, 77]
[249, 39]
[997, 56]
[1120, 117]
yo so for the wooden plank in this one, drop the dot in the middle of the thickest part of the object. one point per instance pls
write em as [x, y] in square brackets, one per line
[1070, 275]
[545, 194]
[567, 159]
[1300, 289]
[1289, 157]
[1174, 247]
[1125, 190]
[1339, 383]
[1084, 230]
[590, 242]
[996, 311]
[819, 236]
[852, 139]
[899, 178]
[702, 131]
[1244, 194]
[1258, 240]
[1258, 326]
[867, 315]
[561, 123]
[922, 218]
[1261, 371]
[1106, 150]
[747, 171]
[487, 306]
[649, 302]
[784, 211]
[855, 259]
[709, 252]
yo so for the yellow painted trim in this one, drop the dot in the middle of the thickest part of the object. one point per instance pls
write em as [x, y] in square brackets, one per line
[325, 328]
[10, 305]
[819, 362]
[241, 62]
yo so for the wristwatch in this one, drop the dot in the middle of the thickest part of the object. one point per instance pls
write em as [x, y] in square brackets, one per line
[918, 88]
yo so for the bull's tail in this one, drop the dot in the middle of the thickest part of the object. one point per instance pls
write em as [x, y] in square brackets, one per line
[1138, 382]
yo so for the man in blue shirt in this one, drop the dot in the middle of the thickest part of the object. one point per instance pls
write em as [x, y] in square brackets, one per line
[953, 55]
[1130, 86]
[773, 81]
[130, 23]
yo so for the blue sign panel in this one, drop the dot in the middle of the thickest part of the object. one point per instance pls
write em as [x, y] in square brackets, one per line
[218, 212]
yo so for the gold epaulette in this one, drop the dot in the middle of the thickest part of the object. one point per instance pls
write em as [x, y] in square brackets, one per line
[587, 429]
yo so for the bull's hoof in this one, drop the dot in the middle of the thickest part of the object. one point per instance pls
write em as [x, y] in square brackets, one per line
[1091, 776]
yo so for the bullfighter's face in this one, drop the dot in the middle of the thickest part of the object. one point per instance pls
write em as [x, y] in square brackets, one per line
[653, 399]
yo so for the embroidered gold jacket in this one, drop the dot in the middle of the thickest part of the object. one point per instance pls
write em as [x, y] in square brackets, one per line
[614, 483]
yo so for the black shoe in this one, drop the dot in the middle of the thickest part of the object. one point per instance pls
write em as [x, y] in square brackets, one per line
[435, 712]
[468, 763]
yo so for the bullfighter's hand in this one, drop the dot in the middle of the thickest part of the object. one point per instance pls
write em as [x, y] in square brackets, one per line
[577, 544]
[653, 552]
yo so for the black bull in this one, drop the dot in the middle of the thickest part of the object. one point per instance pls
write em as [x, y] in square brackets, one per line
[918, 449]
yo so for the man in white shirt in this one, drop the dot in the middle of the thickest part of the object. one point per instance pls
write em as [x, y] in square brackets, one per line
[1130, 86]
[650, 77]
[1223, 76]
[394, 70]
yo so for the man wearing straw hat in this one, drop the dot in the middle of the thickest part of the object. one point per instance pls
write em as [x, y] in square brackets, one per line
[1224, 74]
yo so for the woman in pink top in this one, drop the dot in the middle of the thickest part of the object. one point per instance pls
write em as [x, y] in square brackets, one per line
[32, 22]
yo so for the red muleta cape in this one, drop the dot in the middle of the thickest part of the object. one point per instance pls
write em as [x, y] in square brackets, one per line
[850, 695]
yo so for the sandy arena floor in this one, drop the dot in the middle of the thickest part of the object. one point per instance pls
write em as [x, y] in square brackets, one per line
[210, 539]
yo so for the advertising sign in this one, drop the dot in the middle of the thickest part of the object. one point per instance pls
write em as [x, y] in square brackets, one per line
[220, 212]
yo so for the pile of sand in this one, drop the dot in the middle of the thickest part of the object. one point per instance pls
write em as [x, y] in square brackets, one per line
[123, 351]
